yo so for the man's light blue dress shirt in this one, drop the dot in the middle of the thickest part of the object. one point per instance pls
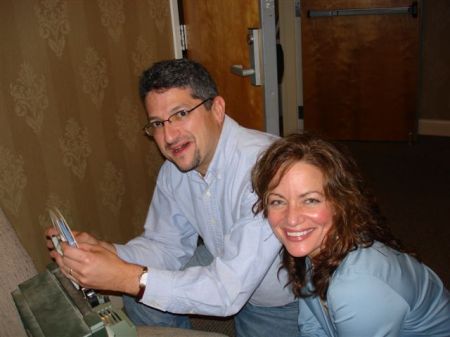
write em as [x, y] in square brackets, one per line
[217, 207]
[378, 291]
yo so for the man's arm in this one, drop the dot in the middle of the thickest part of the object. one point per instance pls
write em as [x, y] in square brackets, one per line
[244, 245]
[220, 289]
[169, 239]
[223, 287]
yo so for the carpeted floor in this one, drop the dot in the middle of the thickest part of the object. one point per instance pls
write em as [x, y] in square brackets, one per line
[412, 184]
[214, 324]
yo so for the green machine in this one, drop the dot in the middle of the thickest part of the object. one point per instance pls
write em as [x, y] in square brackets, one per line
[50, 306]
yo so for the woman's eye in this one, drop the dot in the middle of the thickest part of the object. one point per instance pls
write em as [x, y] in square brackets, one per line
[275, 202]
[311, 201]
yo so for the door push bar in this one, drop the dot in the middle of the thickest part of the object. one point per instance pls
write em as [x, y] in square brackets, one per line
[412, 10]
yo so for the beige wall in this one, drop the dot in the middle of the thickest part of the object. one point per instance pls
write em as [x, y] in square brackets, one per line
[70, 116]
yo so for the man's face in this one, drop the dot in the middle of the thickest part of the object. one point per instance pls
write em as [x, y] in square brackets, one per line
[189, 144]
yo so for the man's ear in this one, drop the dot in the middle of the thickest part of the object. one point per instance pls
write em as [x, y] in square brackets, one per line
[218, 108]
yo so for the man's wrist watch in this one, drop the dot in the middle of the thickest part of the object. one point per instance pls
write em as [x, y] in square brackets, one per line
[142, 283]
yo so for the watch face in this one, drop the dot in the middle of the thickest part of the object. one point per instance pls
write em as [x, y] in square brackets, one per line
[142, 283]
[143, 279]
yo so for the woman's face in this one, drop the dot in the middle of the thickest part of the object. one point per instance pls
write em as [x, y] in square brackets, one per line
[298, 211]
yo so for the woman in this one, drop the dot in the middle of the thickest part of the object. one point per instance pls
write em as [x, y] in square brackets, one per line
[352, 276]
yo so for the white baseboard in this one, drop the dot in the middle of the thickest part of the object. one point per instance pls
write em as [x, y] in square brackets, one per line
[434, 127]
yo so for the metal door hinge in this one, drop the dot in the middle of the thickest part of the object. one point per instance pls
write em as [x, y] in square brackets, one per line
[300, 112]
[297, 9]
[183, 38]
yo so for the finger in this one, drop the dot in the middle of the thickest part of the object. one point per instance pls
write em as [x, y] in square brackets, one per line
[68, 249]
[69, 273]
[54, 254]
[49, 244]
[49, 231]
[54, 243]
[74, 254]
[86, 238]
[59, 259]
[88, 247]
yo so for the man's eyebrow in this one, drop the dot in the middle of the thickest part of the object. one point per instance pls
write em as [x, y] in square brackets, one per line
[175, 109]
[154, 119]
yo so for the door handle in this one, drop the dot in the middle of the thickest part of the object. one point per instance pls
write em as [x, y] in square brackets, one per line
[239, 70]
[254, 50]
[412, 10]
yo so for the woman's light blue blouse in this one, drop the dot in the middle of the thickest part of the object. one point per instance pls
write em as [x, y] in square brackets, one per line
[378, 291]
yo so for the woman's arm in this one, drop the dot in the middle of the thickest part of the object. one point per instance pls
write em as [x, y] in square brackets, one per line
[364, 305]
[308, 323]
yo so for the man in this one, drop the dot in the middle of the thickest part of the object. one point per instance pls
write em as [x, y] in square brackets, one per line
[203, 190]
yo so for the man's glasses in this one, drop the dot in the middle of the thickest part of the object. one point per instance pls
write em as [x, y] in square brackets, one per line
[175, 118]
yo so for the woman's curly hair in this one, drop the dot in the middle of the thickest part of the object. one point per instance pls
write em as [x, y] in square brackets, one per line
[357, 221]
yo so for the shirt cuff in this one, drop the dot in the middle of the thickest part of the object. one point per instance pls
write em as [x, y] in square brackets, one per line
[158, 292]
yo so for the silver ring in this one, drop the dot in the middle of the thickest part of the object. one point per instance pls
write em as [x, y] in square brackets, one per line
[70, 271]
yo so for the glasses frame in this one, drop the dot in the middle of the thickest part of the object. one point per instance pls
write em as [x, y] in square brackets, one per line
[150, 129]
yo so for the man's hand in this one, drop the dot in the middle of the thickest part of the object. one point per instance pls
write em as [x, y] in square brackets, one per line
[94, 266]
[80, 237]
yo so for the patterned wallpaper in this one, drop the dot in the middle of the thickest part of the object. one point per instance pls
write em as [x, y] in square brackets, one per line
[70, 115]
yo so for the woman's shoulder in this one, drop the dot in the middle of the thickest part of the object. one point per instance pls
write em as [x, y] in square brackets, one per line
[375, 259]
[380, 266]
[379, 284]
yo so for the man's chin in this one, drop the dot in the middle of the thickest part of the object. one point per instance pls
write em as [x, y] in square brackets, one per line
[184, 167]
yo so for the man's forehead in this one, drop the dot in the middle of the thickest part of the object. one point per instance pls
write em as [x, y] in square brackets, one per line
[173, 90]
[162, 102]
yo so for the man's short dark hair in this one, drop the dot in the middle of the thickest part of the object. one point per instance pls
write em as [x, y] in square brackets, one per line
[178, 73]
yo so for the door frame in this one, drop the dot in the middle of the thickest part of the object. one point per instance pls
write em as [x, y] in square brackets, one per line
[289, 22]
[269, 59]
[175, 23]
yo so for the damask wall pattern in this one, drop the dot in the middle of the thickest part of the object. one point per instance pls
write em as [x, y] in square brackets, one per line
[70, 115]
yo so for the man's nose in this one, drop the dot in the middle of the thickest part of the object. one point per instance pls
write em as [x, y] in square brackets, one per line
[170, 132]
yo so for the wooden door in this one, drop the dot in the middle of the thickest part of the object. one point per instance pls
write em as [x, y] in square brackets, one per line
[217, 38]
[360, 72]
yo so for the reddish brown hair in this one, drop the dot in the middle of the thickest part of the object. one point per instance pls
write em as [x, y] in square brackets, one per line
[357, 221]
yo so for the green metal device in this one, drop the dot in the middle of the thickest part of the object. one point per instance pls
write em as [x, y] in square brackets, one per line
[50, 306]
